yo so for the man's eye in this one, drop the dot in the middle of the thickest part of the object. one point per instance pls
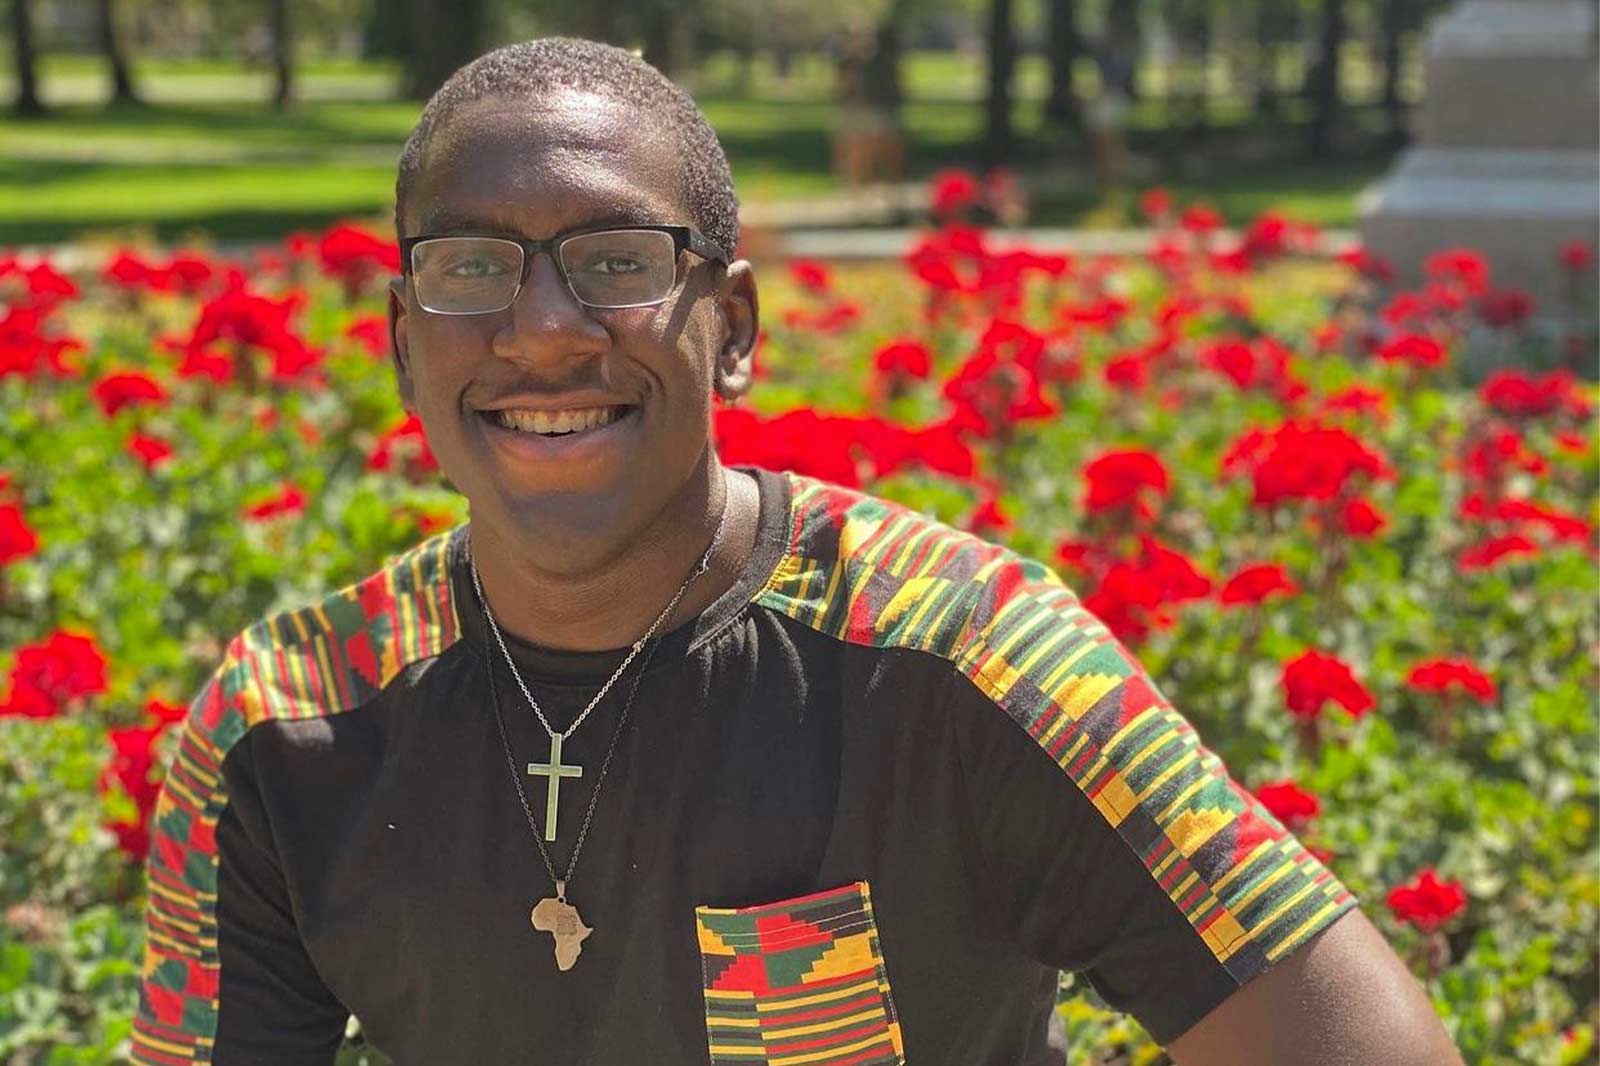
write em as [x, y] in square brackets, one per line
[615, 265]
[474, 267]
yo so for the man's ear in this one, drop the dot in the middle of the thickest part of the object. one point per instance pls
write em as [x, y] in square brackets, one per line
[742, 313]
[397, 344]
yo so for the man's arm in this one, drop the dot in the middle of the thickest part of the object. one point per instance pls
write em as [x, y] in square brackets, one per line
[1343, 999]
[226, 977]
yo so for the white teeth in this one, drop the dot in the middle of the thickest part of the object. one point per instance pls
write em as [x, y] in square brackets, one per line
[557, 421]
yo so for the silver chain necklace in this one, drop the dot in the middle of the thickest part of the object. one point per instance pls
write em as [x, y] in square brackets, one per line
[555, 915]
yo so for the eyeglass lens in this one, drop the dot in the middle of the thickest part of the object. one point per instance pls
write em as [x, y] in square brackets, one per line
[612, 268]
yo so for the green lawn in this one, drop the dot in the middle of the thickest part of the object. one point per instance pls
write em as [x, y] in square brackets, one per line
[206, 154]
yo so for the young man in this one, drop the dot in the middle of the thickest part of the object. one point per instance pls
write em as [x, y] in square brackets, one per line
[657, 761]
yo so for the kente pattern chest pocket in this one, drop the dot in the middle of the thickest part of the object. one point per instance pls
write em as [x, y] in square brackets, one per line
[798, 982]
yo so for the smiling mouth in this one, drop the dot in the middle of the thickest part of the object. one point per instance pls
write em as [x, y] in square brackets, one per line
[557, 424]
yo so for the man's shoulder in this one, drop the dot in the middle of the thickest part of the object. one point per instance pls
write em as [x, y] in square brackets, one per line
[874, 571]
[336, 653]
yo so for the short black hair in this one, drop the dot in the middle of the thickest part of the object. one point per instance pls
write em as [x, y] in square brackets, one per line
[550, 64]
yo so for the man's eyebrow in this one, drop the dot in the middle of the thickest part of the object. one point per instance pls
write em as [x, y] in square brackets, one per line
[629, 215]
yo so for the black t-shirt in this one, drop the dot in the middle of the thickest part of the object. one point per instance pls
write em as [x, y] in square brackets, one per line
[864, 809]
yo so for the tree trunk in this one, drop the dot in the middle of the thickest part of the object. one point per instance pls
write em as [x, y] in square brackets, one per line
[282, 55]
[1127, 37]
[663, 41]
[27, 102]
[997, 133]
[1396, 20]
[880, 77]
[122, 91]
[1066, 45]
[1268, 100]
[446, 38]
[1323, 82]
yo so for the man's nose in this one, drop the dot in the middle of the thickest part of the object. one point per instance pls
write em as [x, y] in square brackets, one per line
[547, 319]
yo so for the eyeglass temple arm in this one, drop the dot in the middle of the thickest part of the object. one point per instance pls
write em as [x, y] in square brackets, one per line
[706, 249]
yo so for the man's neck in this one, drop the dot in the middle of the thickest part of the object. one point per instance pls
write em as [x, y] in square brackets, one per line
[613, 606]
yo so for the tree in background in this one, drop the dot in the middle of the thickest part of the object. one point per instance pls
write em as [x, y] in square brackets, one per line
[282, 55]
[1322, 82]
[26, 102]
[442, 38]
[998, 136]
[110, 33]
[1062, 106]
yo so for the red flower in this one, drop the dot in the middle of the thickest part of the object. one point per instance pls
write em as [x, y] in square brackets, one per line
[1426, 902]
[1200, 219]
[286, 501]
[355, 256]
[953, 190]
[1358, 399]
[1123, 481]
[1464, 265]
[410, 440]
[132, 760]
[148, 450]
[1289, 803]
[1156, 204]
[166, 713]
[1301, 460]
[990, 394]
[1486, 554]
[1312, 679]
[371, 332]
[1577, 256]
[1522, 393]
[1414, 349]
[1367, 264]
[66, 666]
[903, 356]
[1135, 596]
[811, 275]
[1505, 308]
[249, 321]
[26, 347]
[17, 538]
[127, 388]
[1361, 519]
[988, 519]
[1129, 371]
[1447, 676]
[1256, 583]
[1493, 457]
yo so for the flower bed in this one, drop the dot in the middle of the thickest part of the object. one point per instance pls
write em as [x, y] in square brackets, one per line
[1369, 585]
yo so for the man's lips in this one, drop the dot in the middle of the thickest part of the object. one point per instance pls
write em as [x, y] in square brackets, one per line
[573, 401]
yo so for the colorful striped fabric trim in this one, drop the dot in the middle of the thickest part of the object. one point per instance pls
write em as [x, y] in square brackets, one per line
[872, 572]
[798, 982]
[318, 660]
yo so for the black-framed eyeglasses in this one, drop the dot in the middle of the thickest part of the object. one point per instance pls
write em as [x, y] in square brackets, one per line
[604, 266]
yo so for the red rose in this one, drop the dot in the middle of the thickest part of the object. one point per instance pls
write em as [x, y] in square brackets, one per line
[286, 501]
[1361, 519]
[1289, 803]
[1448, 676]
[148, 450]
[1311, 680]
[1577, 256]
[17, 538]
[1123, 480]
[810, 275]
[125, 389]
[1254, 584]
[1426, 902]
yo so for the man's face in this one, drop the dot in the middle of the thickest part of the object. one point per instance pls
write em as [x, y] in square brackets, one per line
[533, 170]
